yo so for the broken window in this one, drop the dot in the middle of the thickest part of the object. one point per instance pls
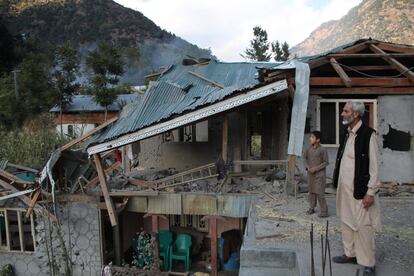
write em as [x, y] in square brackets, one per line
[329, 120]
[191, 133]
[256, 123]
[70, 131]
[188, 221]
[17, 233]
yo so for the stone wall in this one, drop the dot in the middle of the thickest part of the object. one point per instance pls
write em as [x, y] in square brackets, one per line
[80, 231]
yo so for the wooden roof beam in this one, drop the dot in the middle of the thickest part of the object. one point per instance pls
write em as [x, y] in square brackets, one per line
[369, 68]
[350, 50]
[330, 81]
[363, 91]
[344, 77]
[219, 85]
[369, 55]
[394, 48]
[393, 62]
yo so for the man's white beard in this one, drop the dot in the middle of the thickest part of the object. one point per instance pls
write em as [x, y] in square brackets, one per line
[346, 122]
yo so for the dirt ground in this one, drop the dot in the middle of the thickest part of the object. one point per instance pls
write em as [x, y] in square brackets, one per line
[282, 223]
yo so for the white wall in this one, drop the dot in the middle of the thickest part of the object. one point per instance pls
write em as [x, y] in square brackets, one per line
[78, 129]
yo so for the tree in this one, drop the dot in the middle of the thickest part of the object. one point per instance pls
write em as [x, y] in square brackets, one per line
[107, 66]
[281, 53]
[259, 46]
[277, 51]
[285, 50]
[66, 66]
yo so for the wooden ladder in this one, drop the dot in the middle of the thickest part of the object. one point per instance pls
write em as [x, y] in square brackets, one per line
[199, 173]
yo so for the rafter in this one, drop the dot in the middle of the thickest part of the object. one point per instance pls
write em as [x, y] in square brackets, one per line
[363, 91]
[329, 81]
[350, 50]
[395, 48]
[370, 55]
[393, 62]
[344, 77]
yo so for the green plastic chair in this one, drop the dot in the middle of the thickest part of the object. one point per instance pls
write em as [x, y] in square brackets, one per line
[166, 239]
[181, 250]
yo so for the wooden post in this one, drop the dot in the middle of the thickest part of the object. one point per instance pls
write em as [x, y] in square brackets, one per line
[213, 237]
[290, 181]
[212, 221]
[104, 186]
[225, 137]
[117, 243]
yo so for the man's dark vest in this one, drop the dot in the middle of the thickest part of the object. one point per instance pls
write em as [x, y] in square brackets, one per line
[363, 136]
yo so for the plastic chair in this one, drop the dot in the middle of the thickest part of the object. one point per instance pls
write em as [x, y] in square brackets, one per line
[166, 239]
[181, 250]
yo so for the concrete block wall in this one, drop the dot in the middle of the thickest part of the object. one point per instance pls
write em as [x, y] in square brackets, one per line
[82, 221]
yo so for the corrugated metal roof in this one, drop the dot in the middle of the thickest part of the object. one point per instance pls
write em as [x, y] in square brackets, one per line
[86, 103]
[178, 91]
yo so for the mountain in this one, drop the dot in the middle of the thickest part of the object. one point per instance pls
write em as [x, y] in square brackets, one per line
[387, 20]
[84, 23]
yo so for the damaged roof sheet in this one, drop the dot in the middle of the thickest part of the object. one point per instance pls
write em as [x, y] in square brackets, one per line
[178, 91]
[86, 103]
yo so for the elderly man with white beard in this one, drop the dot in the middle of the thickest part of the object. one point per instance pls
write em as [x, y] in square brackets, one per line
[356, 179]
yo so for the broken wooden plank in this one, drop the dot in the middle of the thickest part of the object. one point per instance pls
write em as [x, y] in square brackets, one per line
[13, 189]
[104, 186]
[16, 194]
[13, 178]
[394, 63]
[88, 134]
[93, 182]
[33, 202]
[23, 168]
[219, 85]
[26, 199]
[338, 69]
[141, 183]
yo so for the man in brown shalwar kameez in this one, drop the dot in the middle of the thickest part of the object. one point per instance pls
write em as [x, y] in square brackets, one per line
[356, 177]
[315, 161]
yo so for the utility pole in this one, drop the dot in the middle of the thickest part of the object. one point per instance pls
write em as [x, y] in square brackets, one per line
[16, 88]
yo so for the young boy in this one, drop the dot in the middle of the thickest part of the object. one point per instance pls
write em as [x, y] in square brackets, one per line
[315, 161]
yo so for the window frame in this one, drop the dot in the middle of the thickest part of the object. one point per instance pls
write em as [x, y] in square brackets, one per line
[374, 103]
[20, 212]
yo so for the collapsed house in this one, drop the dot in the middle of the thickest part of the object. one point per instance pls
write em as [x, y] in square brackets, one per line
[193, 153]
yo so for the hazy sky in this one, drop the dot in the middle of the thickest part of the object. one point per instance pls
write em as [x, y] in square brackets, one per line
[225, 26]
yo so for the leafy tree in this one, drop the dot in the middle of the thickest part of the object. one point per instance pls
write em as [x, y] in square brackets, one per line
[259, 46]
[280, 52]
[36, 89]
[107, 66]
[66, 69]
